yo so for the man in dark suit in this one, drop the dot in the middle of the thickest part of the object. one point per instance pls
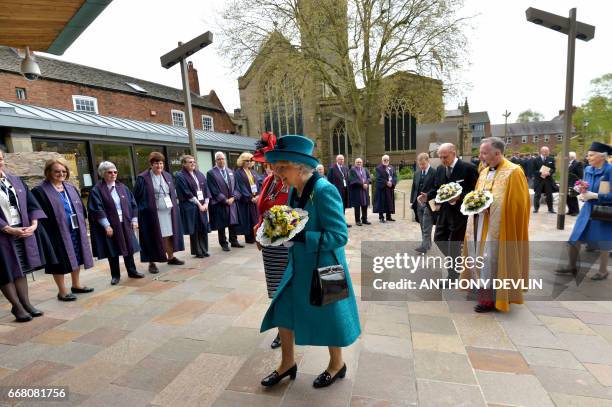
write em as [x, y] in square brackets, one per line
[338, 175]
[543, 180]
[575, 173]
[524, 163]
[421, 184]
[451, 223]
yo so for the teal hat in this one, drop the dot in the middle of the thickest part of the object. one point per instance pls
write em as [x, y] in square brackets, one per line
[294, 148]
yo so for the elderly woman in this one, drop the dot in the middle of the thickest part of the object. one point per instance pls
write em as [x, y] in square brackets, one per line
[160, 229]
[336, 324]
[193, 196]
[66, 226]
[246, 182]
[113, 217]
[597, 234]
[20, 249]
[321, 170]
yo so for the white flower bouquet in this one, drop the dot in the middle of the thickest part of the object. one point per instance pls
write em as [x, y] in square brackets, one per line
[476, 202]
[447, 192]
[280, 224]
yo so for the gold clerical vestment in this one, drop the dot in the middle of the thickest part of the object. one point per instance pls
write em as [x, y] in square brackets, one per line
[505, 224]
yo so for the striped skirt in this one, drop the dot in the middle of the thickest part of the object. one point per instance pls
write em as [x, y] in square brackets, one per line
[275, 262]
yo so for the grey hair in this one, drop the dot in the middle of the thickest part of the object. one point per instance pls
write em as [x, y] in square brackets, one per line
[219, 153]
[572, 154]
[495, 142]
[105, 166]
[320, 165]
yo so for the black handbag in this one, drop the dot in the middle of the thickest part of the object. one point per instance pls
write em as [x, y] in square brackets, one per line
[602, 212]
[328, 283]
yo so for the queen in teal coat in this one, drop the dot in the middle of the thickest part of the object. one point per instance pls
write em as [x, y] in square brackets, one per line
[334, 325]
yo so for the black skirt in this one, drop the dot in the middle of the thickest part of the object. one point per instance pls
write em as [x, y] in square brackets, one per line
[275, 262]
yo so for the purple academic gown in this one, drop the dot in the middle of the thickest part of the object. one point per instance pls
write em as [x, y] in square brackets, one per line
[152, 247]
[247, 210]
[221, 214]
[101, 205]
[359, 196]
[10, 267]
[57, 227]
[186, 188]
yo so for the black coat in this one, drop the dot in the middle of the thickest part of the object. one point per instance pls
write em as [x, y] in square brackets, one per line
[537, 164]
[340, 179]
[466, 175]
[247, 209]
[186, 189]
[575, 173]
[426, 187]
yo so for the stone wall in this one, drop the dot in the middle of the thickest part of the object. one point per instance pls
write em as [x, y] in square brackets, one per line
[30, 166]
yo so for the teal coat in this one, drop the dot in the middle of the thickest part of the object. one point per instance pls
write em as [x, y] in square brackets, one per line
[335, 324]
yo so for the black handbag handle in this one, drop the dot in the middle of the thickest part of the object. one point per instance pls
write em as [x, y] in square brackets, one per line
[319, 251]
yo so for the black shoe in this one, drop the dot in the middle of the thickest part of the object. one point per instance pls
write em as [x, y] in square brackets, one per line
[365, 222]
[359, 224]
[236, 244]
[481, 308]
[381, 220]
[153, 268]
[274, 377]
[390, 220]
[551, 211]
[199, 256]
[573, 214]
[535, 210]
[175, 262]
[348, 226]
[325, 379]
[225, 248]
[81, 290]
[276, 343]
[136, 275]
[21, 318]
[206, 255]
[567, 271]
[421, 250]
[67, 297]
[250, 241]
[114, 280]
[33, 311]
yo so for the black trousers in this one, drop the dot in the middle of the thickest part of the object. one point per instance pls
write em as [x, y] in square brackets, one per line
[233, 236]
[572, 205]
[361, 213]
[199, 243]
[450, 232]
[542, 184]
[129, 265]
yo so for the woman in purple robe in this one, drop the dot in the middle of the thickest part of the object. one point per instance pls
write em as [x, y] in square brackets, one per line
[66, 226]
[160, 231]
[246, 182]
[359, 192]
[193, 196]
[113, 217]
[20, 248]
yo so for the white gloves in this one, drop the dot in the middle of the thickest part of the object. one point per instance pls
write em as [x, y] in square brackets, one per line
[588, 195]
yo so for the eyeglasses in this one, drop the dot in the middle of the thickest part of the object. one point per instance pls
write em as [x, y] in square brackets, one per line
[111, 172]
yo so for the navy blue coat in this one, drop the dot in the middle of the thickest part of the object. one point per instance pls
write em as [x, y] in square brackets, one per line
[247, 210]
[357, 195]
[222, 215]
[340, 180]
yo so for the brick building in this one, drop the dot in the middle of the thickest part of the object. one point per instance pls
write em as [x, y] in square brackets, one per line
[530, 137]
[95, 115]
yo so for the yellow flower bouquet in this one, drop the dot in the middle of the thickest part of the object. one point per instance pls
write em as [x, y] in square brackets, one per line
[476, 202]
[280, 224]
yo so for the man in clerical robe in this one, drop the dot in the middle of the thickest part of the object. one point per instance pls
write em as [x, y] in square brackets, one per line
[500, 233]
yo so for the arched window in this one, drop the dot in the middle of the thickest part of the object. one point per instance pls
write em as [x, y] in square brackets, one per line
[341, 143]
[282, 109]
[400, 127]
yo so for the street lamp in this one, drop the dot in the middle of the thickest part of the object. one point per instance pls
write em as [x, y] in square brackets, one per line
[180, 55]
[573, 29]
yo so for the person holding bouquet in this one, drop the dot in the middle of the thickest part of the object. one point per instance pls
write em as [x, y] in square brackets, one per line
[324, 236]
[594, 190]
[543, 168]
[501, 230]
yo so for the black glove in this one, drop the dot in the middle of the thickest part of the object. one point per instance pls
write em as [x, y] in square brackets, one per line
[300, 237]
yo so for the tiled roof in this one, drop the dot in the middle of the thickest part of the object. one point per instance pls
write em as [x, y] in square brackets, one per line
[85, 75]
[44, 118]
[529, 129]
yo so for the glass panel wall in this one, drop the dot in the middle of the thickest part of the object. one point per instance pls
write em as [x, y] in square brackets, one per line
[174, 157]
[121, 156]
[76, 153]
[142, 156]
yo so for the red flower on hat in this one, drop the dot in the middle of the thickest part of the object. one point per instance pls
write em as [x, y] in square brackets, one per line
[267, 143]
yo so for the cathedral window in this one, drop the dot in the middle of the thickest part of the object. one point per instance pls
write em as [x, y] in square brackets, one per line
[400, 127]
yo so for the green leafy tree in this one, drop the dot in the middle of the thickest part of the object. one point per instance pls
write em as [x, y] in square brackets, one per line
[593, 119]
[529, 116]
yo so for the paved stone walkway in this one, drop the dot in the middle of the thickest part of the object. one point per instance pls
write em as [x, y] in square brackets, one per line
[190, 337]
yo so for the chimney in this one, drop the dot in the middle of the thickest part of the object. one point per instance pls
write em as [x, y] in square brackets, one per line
[194, 83]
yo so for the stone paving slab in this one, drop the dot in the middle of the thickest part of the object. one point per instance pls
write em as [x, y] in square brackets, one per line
[189, 336]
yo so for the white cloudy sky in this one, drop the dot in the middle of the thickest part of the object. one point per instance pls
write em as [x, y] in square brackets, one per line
[514, 64]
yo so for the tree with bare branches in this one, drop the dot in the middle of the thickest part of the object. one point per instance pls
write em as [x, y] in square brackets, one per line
[351, 47]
